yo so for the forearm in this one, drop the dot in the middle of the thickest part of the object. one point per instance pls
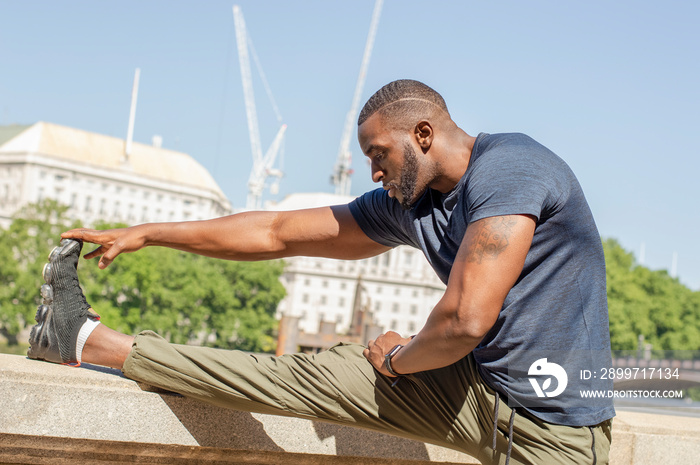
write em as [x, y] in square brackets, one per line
[243, 236]
[445, 339]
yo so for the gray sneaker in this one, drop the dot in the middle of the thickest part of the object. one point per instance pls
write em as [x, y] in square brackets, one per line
[64, 309]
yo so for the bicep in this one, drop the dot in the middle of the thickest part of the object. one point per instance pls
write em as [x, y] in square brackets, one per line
[488, 264]
[330, 232]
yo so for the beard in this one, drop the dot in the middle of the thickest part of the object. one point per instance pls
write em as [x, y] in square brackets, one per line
[409, 177]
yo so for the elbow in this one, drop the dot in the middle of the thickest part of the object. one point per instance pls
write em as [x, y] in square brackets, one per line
[468, 321]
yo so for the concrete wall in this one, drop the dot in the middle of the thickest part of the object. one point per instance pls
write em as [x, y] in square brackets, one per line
[54, 414]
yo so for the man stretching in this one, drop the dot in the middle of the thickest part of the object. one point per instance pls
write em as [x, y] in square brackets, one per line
[503, 222]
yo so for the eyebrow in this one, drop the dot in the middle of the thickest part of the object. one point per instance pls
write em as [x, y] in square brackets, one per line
[374, 147]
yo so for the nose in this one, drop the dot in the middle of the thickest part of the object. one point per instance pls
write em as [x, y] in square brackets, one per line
[377, 172]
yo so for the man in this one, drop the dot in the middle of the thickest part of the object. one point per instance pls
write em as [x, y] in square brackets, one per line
[503, 222]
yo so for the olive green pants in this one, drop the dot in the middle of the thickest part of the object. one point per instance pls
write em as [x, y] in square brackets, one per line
[450, 407]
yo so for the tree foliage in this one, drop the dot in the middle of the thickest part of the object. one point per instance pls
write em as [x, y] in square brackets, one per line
[24, 248]
[184, 297]
[192, 299]
[649, 303]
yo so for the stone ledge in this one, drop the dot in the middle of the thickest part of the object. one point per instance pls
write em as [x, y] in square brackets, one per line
[644, 438]
[56, 414]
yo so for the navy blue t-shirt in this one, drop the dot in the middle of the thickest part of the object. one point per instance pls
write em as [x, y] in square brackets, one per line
[556, 313]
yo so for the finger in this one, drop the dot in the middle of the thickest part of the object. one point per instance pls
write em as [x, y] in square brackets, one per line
[366, 353]
[79, 233]
[95, 253]
[103, 263]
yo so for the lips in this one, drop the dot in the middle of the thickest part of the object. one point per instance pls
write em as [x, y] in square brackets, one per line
[392, 188]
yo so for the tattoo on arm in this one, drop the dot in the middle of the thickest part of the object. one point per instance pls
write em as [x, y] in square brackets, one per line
[492, 236]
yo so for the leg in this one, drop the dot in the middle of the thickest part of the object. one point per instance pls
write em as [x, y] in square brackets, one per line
[107, 347]
[451, 406]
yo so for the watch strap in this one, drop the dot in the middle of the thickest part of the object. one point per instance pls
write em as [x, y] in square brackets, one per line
[389, 356]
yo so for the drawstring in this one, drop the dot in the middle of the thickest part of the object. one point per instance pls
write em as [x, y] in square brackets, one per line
[510, 434]
[510, 428]
[595, 456]
[495, 421]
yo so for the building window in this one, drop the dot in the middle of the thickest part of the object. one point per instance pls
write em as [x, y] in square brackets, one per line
[341, 302]
[343, 285]
[323, 300]
[414, 309]
[305, 298]
[395, 308]
[379, 289]
[324, 283]
[386, 259]
[397, 291]
[411, 326]
[307, 282]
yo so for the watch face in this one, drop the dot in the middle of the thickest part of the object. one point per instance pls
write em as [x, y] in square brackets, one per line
[393, 351]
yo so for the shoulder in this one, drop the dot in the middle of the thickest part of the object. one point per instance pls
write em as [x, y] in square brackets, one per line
[514, 153]
[382, 218]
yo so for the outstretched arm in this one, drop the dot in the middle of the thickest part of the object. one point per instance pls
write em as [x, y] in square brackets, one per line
[322, 232]
[488, 263]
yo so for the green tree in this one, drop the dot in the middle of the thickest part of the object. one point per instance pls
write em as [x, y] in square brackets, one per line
[24, 248]
[649, 303]
[187, 298]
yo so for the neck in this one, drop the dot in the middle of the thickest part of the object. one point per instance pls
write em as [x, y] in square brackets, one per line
[456, 153]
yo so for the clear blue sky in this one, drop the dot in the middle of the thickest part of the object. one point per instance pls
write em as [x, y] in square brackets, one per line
[612, 87]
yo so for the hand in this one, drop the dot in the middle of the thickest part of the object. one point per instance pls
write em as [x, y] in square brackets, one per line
[378, 348]
[112, 242]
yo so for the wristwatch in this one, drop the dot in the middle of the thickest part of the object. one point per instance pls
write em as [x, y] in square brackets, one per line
[387, 359]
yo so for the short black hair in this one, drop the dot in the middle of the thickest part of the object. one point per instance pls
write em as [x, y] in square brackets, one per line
[404, 102]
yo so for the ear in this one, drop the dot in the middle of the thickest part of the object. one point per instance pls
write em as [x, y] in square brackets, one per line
[424, 134]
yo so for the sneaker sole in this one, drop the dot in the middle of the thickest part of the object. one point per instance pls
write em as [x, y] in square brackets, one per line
[44, 312]
[64, 248]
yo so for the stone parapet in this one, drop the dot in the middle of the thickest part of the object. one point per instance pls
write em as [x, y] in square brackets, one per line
[53, 414]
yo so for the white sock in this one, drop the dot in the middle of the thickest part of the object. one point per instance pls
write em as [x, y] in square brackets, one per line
[87, 329]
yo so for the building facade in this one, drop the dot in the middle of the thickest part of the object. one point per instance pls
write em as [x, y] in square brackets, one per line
[398, 287]
[92, 175]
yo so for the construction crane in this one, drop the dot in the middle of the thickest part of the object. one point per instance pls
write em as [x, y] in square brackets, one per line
[343, 165]
[262, 164]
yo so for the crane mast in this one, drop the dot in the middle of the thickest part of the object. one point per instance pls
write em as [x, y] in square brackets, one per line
[343, 165]
[262, 164]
